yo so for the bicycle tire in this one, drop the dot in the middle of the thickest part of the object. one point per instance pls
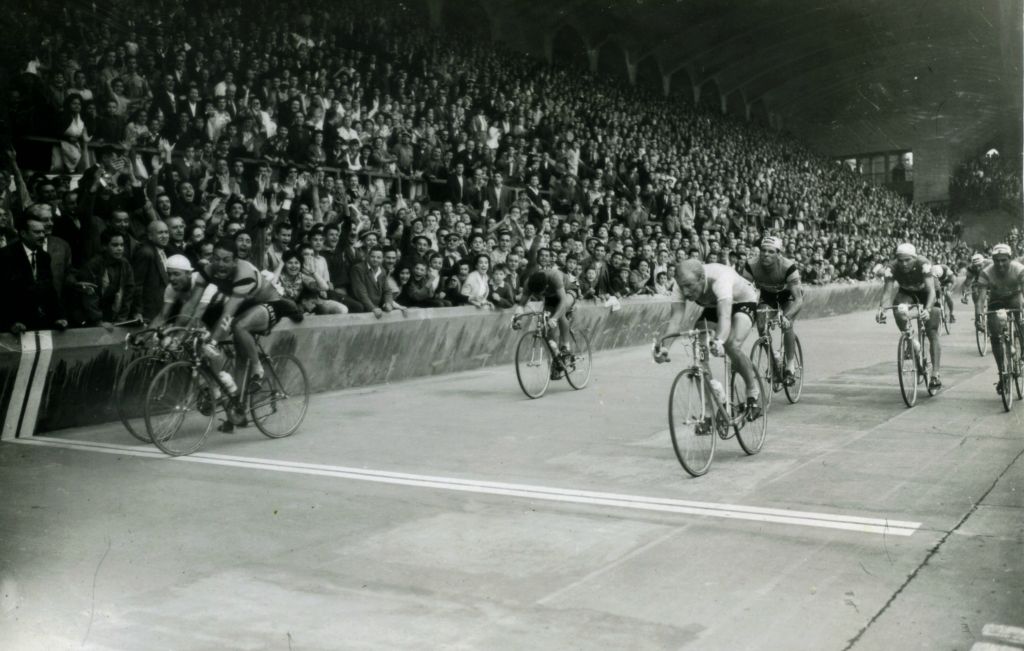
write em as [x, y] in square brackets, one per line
[578, 372]
[533, 365]
[794, 392]
[926, 366]
[131, 382]
[750, 434]
[285, 383]
[945, 322]
[761, 360]
[981, 339]
[1018, 365]
[906, 364]
[176, 392]
[692, 430]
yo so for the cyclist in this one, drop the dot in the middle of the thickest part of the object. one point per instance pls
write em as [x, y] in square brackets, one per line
[912, 274]
[978, 262]
[185, 294]
[559, 296]
[1001, 287]
[945, 277]
[730, 303]
[252, 305]
[778, 279]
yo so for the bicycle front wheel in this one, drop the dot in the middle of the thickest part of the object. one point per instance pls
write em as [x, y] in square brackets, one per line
[761, 359]
[130, 394]
[981, 339]
[750, 432]
[793, 392]
[180, 406]
[906, 363]
[1007, 375]
[577, 371]
[533, 365]
[279, 406]
[691, 422]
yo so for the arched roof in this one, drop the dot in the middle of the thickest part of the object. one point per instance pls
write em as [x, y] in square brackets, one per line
[820, 61]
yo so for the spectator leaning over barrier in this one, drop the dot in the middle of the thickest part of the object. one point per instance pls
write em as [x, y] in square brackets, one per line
[106, 285]
[149, 265]
[370, 285]
[475, 287]
[31, 302]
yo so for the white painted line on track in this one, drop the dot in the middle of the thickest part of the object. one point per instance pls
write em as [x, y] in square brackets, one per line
[1011, 634]
[879, 526]
[988, 646]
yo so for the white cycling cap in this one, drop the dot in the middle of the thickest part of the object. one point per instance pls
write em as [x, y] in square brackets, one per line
[977, 257]
[772, 241]
[179, 263]
[1002, 249]
[906, 249]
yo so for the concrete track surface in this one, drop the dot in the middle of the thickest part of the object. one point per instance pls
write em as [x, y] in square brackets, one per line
[454, 513]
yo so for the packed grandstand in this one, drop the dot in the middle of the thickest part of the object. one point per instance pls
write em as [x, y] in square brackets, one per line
[311, 138]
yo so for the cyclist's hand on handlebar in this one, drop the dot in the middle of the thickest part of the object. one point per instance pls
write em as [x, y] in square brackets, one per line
[880, 317]
[784, 322]
[718, 347]
[552, 323]
[659, 353]
[963, 299]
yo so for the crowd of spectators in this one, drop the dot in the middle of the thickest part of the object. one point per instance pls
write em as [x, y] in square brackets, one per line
[990, 181]
[336, 140]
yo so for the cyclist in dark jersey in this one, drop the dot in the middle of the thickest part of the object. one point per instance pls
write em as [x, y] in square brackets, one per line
[778, 280]
[978, 262]
[559, 296]
[912, 274]
[1001, 287]
[252, 306]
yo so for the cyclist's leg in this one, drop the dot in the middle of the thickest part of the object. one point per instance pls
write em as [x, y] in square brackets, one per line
[563, 323]
[947, 294]
[996, 337]
[742, 324]
[789, 337]
[932, 330]
[903, 298]
[255, 320]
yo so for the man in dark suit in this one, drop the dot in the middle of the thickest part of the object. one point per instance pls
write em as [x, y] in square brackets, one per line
[58, 250]
[370, 285]
[165, 99]
[149, 267]
[457, 184]
[498, 197]
[192, 105]
[31, 301]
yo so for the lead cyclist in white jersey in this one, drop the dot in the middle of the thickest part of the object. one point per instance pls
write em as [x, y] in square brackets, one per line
[730, 305]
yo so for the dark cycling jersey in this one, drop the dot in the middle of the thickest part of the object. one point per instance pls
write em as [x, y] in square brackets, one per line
[913, 280]
[774, 280]
[553, 281]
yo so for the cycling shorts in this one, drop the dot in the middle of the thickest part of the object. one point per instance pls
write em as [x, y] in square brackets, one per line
[276, 310]
[711, 313]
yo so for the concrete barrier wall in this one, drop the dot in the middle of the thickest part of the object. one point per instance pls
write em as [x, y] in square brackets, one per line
[359, 350]
[10, 361]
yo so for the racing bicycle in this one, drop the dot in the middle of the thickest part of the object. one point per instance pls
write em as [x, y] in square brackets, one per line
[765, 355]
[912, 361]
[1013, 351]
[538, 359]
[698, 415]
[185, 396]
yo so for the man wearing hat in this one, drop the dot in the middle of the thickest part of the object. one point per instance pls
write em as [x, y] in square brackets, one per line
[778, 279]
[978, 262]
[419, 253]
[1001, 287]
[912, 273]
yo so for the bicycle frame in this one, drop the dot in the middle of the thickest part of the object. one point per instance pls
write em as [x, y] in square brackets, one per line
[542, 330]
[700, 352]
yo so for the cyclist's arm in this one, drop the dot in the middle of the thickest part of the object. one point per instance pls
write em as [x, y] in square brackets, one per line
[198, 301]
[724, 327]
[563, 304]
[230, 307]
[165, 311]
[886, 291]
[796, 289]
[675, 318]
[929, 283]
[982, 301]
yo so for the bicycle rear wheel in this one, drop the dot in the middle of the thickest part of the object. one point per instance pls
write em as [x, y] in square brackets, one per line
[751, 433]
[578, 369]
[793, 392]
[945, 322]
[180, 406]
[533, 365]
[981, 339]
[691, 421]
[279, 406]
[1006, 377]
[906, 363]
[761, 359]
[130, 394]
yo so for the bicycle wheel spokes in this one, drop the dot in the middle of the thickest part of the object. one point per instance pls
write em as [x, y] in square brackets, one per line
[533, 365]
[750, 432]
[1017, 358]
[279, 406]
[761, 359]
[130, 394]
[981, 339]
[793, 391]
[578, 368]
[691, 422]
[180, 405]
[907, 365]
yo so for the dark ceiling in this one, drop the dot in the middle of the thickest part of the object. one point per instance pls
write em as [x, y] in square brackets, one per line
[818, 62]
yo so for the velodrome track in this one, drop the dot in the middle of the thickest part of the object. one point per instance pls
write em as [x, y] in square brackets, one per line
[453, 513]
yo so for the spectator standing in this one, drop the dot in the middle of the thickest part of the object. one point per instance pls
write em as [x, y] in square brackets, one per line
[31, 302]
[149, 265]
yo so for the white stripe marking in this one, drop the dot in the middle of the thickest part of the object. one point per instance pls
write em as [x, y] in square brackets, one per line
[21, 384]
[35, 392]
[880, 526]
[988, 646]
[1011, 634]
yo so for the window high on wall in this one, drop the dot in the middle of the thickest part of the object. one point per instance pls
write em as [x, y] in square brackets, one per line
[892, 169]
